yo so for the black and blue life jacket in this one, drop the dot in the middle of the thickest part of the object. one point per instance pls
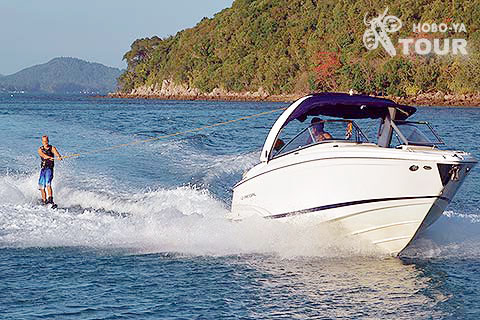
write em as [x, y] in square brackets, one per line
[47, 163]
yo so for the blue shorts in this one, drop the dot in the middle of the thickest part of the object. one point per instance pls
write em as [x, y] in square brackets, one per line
[46, 177]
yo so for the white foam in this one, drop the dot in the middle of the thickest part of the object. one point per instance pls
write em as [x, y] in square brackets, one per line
[190, 221]
[197, 161]
[18, 189]
[182, 220]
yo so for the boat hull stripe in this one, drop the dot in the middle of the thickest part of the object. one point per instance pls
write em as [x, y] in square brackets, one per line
[346, 204]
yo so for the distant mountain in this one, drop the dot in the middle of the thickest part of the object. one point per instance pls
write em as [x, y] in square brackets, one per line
[63, 75]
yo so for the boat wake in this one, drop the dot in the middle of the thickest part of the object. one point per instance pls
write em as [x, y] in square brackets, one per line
[454, 235]
[187, 220]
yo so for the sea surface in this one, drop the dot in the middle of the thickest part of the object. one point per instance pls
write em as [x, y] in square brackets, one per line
[140, 231]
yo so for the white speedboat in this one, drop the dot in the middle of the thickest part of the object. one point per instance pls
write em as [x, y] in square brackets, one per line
[385, 191]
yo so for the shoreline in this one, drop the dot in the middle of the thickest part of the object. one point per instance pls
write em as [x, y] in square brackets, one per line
[206, 97]
[428, 100]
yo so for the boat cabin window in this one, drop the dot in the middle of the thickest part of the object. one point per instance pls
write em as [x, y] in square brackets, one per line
[319, 132]
[414, 133]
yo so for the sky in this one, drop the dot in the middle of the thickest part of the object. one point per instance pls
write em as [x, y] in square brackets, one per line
[35, 31]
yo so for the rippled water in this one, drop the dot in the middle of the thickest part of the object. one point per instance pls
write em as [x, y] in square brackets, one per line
[141, 233]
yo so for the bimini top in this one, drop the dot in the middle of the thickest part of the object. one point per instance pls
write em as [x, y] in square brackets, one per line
[342, 105]
[339, 105]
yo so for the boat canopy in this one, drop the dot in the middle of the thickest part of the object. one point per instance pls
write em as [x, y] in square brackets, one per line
[342, 105]
[339, 105]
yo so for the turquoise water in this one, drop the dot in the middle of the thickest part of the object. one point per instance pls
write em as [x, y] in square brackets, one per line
[141, 230]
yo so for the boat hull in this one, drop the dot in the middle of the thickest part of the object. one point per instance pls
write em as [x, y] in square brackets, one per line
[384, 198]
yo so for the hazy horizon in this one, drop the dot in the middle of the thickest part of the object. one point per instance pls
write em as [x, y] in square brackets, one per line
[93, 31]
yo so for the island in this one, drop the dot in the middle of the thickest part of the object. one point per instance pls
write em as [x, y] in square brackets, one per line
[281, 50]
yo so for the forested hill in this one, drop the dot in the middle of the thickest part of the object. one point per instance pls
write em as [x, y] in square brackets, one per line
[291, 46]
[63, 75]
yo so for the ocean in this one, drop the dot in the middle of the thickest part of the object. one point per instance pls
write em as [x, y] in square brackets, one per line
[141, 231]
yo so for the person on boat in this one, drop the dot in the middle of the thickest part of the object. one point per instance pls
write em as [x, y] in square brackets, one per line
[278, 145]
[318, 132]
[47, 154]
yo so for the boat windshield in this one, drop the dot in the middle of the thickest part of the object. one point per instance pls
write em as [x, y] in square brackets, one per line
[415, 133]
[320, 132]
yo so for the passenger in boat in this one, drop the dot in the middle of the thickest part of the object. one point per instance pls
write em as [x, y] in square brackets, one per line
[278, 144]
[318, 130]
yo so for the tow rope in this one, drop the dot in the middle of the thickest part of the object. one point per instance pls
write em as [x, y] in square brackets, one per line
[79, 154]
